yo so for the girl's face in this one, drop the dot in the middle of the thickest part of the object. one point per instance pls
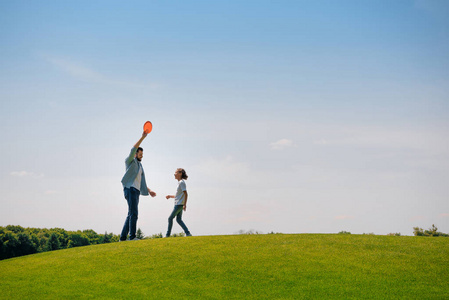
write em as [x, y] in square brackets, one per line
[178, 175]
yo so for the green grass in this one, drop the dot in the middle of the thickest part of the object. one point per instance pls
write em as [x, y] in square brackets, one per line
[303, 266]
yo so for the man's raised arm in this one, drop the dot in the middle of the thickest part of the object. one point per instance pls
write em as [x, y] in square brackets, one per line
[130, 158]
[144, 135]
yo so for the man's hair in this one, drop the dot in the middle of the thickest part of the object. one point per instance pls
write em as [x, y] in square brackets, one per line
[139, 149]
[183, 172]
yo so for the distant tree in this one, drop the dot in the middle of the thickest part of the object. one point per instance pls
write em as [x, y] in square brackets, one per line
[26, 244]
[157, 236]
[106, 238]
[181, 234]
[35, 241]
[77, 239]
[63, 236]
[433, 231]
[251, 231]
[93, 237]
[15, 229]
[418, 231]
[139, 234]
[394, 234]
[115, 238]
[43, 238]
[344, 232]
[53, 242]
[8, 244]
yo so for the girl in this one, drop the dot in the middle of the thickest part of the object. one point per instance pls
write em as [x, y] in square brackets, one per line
[180, 202]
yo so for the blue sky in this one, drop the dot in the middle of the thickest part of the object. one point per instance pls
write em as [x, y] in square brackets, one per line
[289, 116]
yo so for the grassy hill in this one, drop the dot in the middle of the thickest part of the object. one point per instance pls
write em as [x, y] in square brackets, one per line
[302, 266]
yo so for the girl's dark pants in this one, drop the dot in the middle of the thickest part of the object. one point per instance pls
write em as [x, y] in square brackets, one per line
[177, 212]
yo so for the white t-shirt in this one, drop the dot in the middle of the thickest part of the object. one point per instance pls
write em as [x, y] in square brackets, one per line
[136, 183]
[180, 197]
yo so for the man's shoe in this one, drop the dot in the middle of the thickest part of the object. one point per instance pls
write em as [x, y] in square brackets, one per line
[122, 240]
[188, 234]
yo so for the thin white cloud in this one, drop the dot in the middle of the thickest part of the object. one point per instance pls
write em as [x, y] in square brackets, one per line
[26, 174]
[20, 173]
[84, 73]
[77, 70]
[444, 215]
[281, 144]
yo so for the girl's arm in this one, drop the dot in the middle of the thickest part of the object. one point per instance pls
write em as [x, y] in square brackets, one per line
[169, 196]
[185, 202]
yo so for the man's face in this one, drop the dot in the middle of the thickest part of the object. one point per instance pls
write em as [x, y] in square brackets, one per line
[139, 155]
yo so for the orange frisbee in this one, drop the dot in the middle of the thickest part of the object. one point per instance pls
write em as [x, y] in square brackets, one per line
[147, 127]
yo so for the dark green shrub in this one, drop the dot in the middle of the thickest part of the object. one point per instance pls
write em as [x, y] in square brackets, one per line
[433, 231]
[77, 240]
[53, 242]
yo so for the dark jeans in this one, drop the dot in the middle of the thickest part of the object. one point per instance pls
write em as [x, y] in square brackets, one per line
[132, 196]
[177, 212]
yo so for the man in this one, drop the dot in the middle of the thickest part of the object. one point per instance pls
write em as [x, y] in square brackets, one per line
[134, 185]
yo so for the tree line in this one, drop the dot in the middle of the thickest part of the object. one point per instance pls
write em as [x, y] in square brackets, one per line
[17, 240]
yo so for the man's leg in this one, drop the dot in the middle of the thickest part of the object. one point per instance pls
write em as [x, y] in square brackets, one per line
[125, 229]
[175, 211]
[133, 206]
[181, 223]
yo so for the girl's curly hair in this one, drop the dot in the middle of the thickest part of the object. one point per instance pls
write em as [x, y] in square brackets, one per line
[183, 172]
